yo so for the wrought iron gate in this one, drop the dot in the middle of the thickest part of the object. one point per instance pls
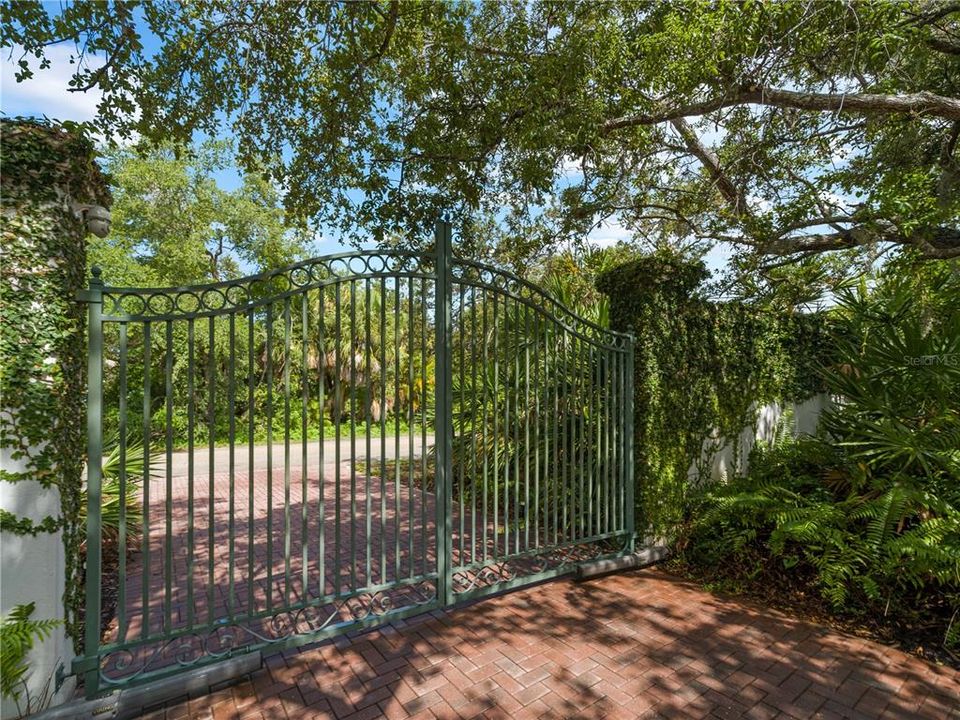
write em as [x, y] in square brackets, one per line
[338, 444]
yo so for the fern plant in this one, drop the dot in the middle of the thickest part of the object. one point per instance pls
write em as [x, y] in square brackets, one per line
[17, 636]
[869, 512]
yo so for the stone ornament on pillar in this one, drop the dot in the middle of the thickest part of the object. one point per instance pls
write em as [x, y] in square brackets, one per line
[96, 218]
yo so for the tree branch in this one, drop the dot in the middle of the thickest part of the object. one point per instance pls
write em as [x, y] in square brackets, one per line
[943, 45]
[935, 12]
[97, 75]
[944, 242]
[388, 36]
[862, 103]
[730, 192]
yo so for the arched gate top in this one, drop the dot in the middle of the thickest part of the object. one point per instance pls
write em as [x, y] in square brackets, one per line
[255, 291]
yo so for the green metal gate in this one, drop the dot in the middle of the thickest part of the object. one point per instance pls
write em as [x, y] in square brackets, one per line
[335, 445]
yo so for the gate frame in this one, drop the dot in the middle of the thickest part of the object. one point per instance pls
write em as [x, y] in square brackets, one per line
[88, 664]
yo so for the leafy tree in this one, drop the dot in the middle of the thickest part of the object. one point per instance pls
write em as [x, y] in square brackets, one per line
[787, 129]
[172, 224]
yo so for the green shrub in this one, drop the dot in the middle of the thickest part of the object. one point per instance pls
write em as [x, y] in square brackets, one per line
[136, 471]
[869, 513]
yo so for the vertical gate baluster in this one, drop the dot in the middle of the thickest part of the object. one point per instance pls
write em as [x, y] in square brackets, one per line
[567, 438]
[526, 427]
[191, 412]
[122, 529]
[597, 413]
[588, 421]
[444, 414]
[168, 500]
[508, 450]
[366, 408]
[353, 436]
[251, 429]
[461, 384]
[583, 378]
[396, 431]
[553, 369]
[537, 416]
[475, 432]
[617, 439]
[338, 416]
[304, 395]
[321, 417]
[232, 463]
[485, 370]
[517, 422]
[287, 331]
[268, 371]
[411, 417]
[147, 432]
[496, 433]
[94, 299]
[628, 445]
[383, 429]
[212, 427]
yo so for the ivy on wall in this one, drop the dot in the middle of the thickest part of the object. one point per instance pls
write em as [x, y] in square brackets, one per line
[701, 369]
[42, 336]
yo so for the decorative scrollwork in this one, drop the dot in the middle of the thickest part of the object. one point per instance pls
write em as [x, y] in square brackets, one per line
[237, 295]
[466, 580]
[121, 666]
[502, 282]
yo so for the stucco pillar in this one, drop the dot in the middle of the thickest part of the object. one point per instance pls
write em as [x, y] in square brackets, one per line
[49, 184]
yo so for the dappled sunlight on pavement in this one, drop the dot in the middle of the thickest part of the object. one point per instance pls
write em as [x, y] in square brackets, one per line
[641, 644]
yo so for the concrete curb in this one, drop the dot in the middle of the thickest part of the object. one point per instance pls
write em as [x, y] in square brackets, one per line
[640, 559]
[131, 702]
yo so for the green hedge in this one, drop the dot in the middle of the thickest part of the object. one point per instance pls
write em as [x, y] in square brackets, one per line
[700, 365]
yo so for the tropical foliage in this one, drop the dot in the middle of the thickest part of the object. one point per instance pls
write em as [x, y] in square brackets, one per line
[18, 633]
[703, 369]
[123, 473]
[869, 514]
[174, 224]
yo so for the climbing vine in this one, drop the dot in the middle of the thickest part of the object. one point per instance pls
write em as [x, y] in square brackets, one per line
[701, 368]
[42, 335]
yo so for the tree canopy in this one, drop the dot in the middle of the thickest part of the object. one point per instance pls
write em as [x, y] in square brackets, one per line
[173, 224]
[787, 129]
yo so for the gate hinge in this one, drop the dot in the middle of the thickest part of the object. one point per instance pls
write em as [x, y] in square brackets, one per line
[81, 664]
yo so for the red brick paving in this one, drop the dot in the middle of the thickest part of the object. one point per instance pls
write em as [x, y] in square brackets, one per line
[641, 644]
[234, 559]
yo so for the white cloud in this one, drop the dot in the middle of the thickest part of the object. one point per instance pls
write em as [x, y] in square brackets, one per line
[571, 167]
[718, 257]
[608, 233]
[46, 92]
[759, 203]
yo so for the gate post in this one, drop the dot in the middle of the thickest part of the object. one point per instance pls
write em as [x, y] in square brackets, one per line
[443, 384]
[631, 518]
[91, 643]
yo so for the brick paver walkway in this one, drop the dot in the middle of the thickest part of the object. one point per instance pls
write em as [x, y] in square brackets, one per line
[640, 644]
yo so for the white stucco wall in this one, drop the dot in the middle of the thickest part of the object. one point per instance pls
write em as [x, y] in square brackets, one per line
[719, 461]
[32, 570]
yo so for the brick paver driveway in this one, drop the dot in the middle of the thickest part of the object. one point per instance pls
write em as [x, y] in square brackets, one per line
[641, 644]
